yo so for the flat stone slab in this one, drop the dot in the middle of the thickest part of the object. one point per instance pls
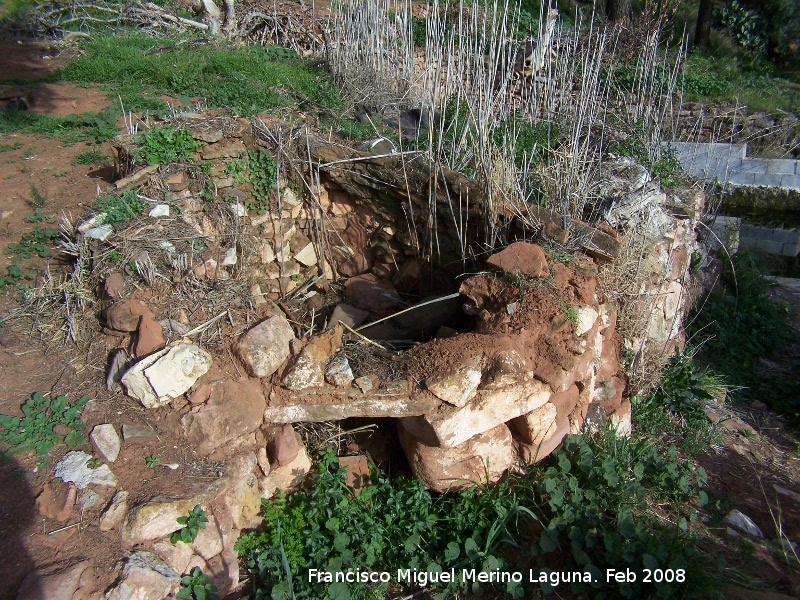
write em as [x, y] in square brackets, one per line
[355, 405]
[160, 377]
[74, 468]
[486, 411]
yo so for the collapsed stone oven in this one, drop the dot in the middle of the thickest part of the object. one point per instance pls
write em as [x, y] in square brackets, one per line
[542, 355]
[498, 366]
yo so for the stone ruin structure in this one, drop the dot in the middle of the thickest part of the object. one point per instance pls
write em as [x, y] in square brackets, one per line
[511, 350]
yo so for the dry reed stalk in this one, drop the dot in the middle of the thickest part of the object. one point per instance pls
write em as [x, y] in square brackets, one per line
[467, 82]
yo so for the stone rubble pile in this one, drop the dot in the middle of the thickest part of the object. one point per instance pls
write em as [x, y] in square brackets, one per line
[542, 360]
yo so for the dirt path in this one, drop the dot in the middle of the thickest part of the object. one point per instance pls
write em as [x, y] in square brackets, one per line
[39, 173]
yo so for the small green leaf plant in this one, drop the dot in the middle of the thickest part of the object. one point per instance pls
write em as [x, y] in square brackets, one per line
[166, 145]
[151, 461]
[263, 175]
[119, 209]
[192, 524]
[196, 586]
[36, 428]
[571, 313]
[33, 243]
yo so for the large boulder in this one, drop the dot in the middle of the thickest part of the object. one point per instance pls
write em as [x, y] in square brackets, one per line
[374, 295]
[264, 347]
[106, 440]
[60, 585]
[490, 453]
[125, 316]
[145, 577]
[157, 379]
[488, 409]
[154, 519]
[284, 445]
[232, 411]
[286, 477]
[149, 336]
[239, 503]
[309, 367]
[74, 468]
[540, 425]
[521, 258]
[115, 512]
[456, 388]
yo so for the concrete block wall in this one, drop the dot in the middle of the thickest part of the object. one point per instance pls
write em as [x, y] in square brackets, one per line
[737, 235]
[785, 242]
[728, 163]
[705, 123]
[727, 231]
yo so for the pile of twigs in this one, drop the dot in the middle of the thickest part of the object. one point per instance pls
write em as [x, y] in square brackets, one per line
[289, 26]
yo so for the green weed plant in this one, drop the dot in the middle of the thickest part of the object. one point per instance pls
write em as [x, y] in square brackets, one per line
[585, 507]
[196, 586]
[40, 427]
[164, 145]
[120, 209]
[263, 174]
[594, 495]
[192, 524]
[37, 216]
[571, 313]
[674, 413]
[37, 242]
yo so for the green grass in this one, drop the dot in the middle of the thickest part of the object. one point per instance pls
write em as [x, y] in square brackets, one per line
[37, 242]
[86, 127]
[89, 157]
[354, 130]
[673, 413]
[720, 78]
[244, 79]
[9, 147]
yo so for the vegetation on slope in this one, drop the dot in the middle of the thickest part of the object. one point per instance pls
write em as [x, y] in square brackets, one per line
[739, 328]
[584, 509]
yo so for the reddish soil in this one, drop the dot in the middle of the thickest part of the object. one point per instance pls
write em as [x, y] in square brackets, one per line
[30, 361]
